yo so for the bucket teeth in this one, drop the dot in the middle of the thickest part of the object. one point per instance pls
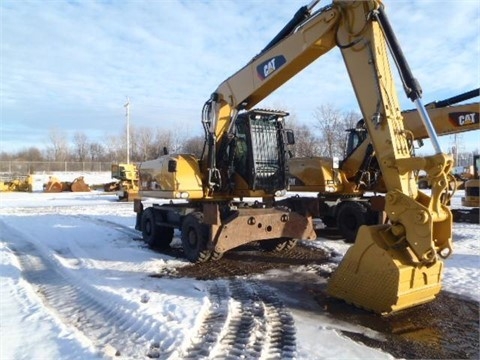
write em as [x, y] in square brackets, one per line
[383, 279]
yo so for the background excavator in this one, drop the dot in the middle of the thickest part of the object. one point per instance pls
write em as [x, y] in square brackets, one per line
[391, 266]
[342, 188]
[472, 196]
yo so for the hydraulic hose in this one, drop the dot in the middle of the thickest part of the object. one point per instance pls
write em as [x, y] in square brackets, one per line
[410, 83]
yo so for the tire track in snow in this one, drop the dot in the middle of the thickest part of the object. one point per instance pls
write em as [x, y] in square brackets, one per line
[212, 324]
[111, 326]
[111, 224]
[245, 320]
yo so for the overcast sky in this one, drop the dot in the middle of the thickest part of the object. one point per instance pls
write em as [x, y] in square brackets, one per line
[70, 65]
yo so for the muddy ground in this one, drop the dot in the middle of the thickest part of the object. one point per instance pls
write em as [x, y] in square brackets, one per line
[446, 328]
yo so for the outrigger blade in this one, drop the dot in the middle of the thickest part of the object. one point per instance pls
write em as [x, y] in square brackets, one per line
[383, 278]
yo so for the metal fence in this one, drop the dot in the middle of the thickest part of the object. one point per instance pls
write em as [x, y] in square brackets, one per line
[31, 167]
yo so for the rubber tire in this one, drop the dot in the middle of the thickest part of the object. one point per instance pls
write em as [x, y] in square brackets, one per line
[350, 217]
[277, 245]
[157, 237]
[423, 184]
[329, 221]
[194, 238]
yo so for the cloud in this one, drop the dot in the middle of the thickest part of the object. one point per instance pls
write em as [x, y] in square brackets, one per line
[72, 63]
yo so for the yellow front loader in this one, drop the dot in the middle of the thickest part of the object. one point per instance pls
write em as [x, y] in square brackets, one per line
[17, 183]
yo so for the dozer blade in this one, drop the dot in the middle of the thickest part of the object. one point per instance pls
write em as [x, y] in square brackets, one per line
[382, 278]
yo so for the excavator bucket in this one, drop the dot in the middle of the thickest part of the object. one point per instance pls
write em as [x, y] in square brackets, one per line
[79, 185]
[383, 278]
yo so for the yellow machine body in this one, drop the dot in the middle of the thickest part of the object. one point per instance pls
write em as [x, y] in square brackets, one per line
[127, 185]
[319, 175]
[20, 183]
[175, 176]
[472, 189]
[472, 186]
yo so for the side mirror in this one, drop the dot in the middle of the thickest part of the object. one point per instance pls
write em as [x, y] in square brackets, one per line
[290, 137]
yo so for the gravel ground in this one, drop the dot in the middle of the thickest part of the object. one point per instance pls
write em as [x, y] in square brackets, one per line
[447, 328]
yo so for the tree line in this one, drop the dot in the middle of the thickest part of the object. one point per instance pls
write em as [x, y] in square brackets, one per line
[324, 136]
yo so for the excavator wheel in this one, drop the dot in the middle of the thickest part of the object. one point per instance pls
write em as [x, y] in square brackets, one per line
[277, 245]
[194, 238]
[157, 237]
[350, 216]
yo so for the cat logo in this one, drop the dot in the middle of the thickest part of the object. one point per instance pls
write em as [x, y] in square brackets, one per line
[464, 118]
[269, 66]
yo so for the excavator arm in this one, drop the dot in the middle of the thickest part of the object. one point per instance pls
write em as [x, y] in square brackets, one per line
[392, 266]
[446, 115]
[420, 226]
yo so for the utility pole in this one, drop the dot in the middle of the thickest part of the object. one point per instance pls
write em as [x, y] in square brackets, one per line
[457, 150]
[127, 115]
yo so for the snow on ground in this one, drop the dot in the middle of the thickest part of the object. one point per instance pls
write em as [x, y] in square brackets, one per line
[82, 242]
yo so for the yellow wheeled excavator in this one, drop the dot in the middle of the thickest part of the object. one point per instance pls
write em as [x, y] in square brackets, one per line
[390, 267]
[348, 193]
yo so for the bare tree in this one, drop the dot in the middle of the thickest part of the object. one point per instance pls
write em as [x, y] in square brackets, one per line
[306, 143]
[80, 146]
[30, 154]
[144, 144]
[194, 145]
[164, 140]
[58, 151]
[97, 151]
[332, 124]
[115, 148]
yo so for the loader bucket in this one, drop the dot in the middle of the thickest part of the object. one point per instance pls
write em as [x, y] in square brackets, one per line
[382, 278]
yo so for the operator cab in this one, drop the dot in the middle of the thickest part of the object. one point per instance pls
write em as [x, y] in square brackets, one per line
[258, 149]
[355, 137]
